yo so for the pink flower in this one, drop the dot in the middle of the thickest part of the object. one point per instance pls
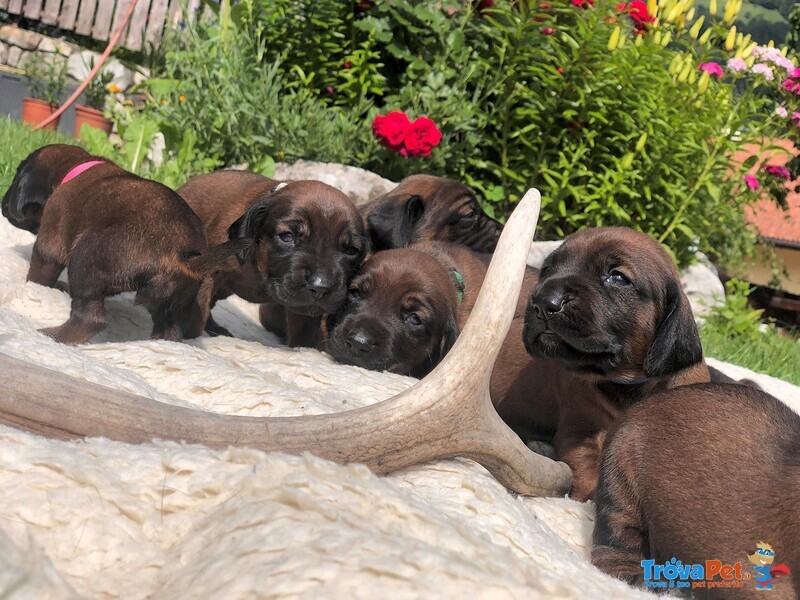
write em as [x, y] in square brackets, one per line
[548, 31]
[560, 70]
[791, 86]
[329, 89]
[795, 74]
[347, 64]
[751, 182]
[736, 65]
[782, 112]
[774, 56]
[784, 62]
[711, 68]
[778, 171]
[764, 70]
[796, 117]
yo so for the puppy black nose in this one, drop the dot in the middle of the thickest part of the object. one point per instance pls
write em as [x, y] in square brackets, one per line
[318, 286]
[360, 342]
[549, 303]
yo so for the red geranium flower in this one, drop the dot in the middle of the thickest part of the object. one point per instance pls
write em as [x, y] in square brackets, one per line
[391, 129]
[396, 132]
[583, 3]
[422, 137]
[484, 4]
[637, 10]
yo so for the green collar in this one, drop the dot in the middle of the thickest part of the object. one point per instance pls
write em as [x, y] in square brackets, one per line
[459, 284]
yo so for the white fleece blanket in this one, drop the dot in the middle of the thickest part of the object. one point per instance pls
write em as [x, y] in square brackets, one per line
[99, 519]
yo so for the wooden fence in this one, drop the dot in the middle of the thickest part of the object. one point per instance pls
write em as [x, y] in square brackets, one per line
[100, 18]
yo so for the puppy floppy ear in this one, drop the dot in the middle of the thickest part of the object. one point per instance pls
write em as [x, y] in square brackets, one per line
[438, 352]
[249, 225]
[32, 185]
[676, 344]
[391, 223]
[449, 337]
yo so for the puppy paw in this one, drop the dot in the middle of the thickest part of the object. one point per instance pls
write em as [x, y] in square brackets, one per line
[618, 562]
[214, 329]
[57, 335]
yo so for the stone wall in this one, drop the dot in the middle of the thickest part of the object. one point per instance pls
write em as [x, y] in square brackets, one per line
[18, 46]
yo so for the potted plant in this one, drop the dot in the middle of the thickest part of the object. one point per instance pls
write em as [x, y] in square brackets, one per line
[47, 78]
[91, 113]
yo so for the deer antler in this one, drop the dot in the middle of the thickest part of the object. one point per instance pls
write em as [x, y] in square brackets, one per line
[448, 413]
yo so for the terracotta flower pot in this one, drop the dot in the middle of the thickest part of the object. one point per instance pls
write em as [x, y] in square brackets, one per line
[92, 117]
[34, 111]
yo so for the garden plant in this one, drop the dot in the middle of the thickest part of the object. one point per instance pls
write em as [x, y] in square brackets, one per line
[620, 113]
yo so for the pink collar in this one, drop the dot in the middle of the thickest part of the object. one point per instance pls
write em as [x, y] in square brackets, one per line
[75, 171]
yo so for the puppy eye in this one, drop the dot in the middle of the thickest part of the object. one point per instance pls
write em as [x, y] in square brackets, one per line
[470, 216]
[617, 278]
[354, 293]
[412, 319]
[351, 251]
[286, 236]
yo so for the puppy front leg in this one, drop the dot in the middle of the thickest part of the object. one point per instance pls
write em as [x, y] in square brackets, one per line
[579, 438]
[620, 536]
[303, 331]
[273, 318]
[583, 457]
[86, 319]
[45, 271]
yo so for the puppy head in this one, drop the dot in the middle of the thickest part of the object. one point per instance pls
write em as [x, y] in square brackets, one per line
[425, 208]
[309, 242]
[609, 305]
[35, 180]
[400, 314]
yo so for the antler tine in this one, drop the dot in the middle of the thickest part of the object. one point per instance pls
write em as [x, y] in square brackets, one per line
[449, 413]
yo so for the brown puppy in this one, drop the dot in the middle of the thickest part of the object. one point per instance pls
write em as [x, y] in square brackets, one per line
[426, 208]
[114, 232]
[698, 473]
[309, 242]
[611, 324]
[405, 310]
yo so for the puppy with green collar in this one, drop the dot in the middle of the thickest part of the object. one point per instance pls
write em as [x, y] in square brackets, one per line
[406, 307]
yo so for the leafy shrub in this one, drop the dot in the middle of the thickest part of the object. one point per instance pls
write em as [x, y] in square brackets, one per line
[183, 159]
[47, 77]
[241, 109]
[734, 317]
[98, 90]
[734, 332]
[601, 106]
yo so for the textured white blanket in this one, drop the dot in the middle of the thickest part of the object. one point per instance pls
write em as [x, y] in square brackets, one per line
[100, 519]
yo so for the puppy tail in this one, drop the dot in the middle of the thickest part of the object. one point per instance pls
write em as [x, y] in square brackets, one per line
[216, 259]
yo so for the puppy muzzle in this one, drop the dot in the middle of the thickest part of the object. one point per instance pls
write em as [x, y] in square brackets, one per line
[359, 345]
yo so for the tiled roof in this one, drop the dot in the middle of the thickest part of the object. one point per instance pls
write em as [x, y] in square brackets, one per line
[779, 226]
